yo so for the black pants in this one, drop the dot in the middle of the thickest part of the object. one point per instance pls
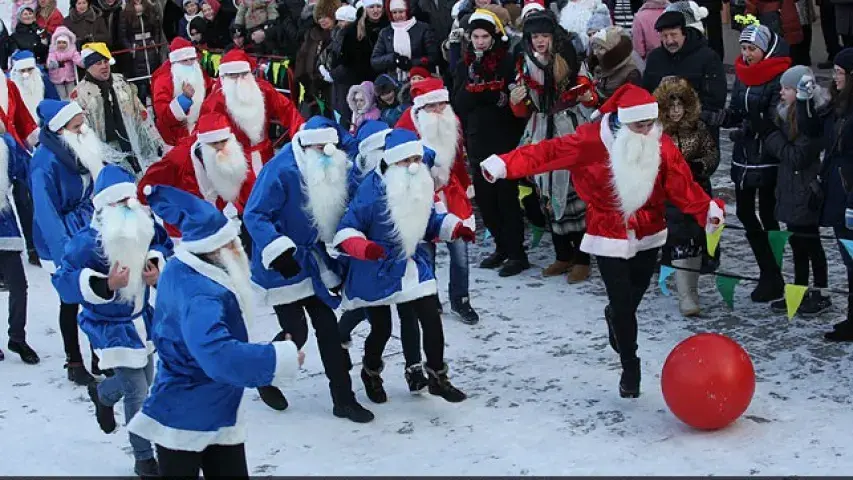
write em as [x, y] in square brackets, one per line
[380, 333]
[24, 206]
[498, 204]
[626, 282]
[766, 219]
[291, 317]
[841, 233]
[801, 52]
[214, 461]
[12, 270]
[714, 32]
[425, 310]
[70, 335]
[806, 248]
[568, 248]
[246, 240]
[830, 33]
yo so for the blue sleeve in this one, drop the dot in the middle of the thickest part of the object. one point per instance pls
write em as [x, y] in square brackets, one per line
[46, 212]
[348, 142]
[429, 157]
[75, 272]
[161, 246]
[185, 102]
[438, 225]
[18, 162]
[50, 92]
[268, 197]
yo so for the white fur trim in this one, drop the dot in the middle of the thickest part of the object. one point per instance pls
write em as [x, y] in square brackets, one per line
[157, 255]
[24, 64]
[257, 162]
[374, 141]
[124, 357]
[648, 111]
[234, 67]
[448, 225]
[495, 167]
[621, 247]
[182, 54]
[11, 244]
[214, 136]
[188, 440]
[345, 234]
[48, 265]
[286, 293]
[330, 279]
[33, 137]
[316, 136]
[714, 211]
[286, 364]
[276, 248]
[208, 270]
[227, 233]
[470, 192]
[370, 3]
[63, 116]
[403, 151]
[410, 289]
[89, 295]
[114, 193]
[436, 96]
[177, 110]
[482, 16]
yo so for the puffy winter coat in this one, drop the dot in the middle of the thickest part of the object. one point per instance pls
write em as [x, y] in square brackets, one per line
[435, 13]
[29, 37]
[5, 43]
[836, 130]
[643, 32]
[51, 22]
[424, 49]
[780, 16]
[65, 60]
[88, 27]
[141, 31]
[353, 65]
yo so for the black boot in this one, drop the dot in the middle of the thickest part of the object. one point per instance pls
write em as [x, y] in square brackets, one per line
[2, 355]
[440, 385]
[78, 374]
[611, 337]
[273, 397]
[814, 304]
[842, 332]
[33, 258]
[416, 379]
[462, 307]
[373, 384]
[494, 260]
[346, 406]
[28, 355]
[514, 267]
[104, 414]
[771, 285]
[147, 468]
[629, 383]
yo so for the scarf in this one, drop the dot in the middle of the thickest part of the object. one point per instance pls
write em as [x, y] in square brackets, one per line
[483, 72]
[402, 41]
[114, 128]
[762, 72]
[54, 143]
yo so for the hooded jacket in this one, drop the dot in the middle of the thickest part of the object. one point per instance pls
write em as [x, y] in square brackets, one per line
[64, 60]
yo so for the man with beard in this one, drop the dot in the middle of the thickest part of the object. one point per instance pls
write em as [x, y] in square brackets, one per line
[438, 127]
[15, 116]
[625, 169]
[109, 268]
[203, 311]
[114, 112]
[384, 231]
[292, 214]
[250, 104]
[33, 83]
[179, 86]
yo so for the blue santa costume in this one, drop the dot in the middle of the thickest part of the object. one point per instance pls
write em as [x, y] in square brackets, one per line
[13, 169]
[194, 413]
[290, 263]
[23, 65]
[390, 263]
[62, 199]
[118, 329]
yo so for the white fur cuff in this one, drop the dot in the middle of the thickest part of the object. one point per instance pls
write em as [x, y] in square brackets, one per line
[177, 110]
[345, 234]
[286, 363]
[714, 211]
[158, 256]
[493, 168]
[448, 225]
[89, 295]
[275, 249]
[33, 138]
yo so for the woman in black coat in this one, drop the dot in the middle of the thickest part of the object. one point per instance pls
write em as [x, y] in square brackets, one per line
[29, 36]
[416, 45]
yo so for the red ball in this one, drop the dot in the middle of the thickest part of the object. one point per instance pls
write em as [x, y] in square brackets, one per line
[708, 381]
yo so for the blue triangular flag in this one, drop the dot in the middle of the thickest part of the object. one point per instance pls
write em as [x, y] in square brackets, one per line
[487, 235]
[848, 244]
[665, 272]
[337, 116]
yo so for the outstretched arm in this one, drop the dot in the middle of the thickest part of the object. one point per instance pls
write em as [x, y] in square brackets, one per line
[563, 153]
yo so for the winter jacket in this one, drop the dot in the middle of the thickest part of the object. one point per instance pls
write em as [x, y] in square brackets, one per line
[435, 13]
[63, 61]
[369, 112]
[306, 70]
[836, 131]
[287, 26]
[52, 21]
[15, 159]
[88, 27]
[112, 15]
[138, 31]
[5, 44]
[256, 13]
[780, 16]
[424, 49]
[30, 37]
[217, 35]
[616, 68]
[353, 65]
[390, 113]
[643, 32]
[184, 24]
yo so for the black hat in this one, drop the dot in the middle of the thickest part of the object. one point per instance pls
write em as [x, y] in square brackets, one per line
[540, 21]
[844, 59]
[670, 19]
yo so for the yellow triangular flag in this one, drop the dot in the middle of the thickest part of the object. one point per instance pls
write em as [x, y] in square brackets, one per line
[276, 67]
[713, 239]
[793, 298]
[216, 59]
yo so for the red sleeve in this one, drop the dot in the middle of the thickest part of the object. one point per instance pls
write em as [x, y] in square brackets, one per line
[163, 107]
[460, 170]
[562, 153]
[23, 121]
[283, 110]
[174, 169]
[405, 121]
[680, 187]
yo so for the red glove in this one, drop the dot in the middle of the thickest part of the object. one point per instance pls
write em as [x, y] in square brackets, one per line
[363, 249]
[463, 232]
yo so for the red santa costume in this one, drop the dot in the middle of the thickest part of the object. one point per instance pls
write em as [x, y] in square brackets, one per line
[221, 177]
[249, 104]
[441, 132]
[625, 169]
[174, 122]
[15, 116]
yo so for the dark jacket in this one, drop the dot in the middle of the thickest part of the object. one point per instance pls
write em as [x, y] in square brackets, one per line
[424, 49]
[29, 37]
[88, 27]
[836, 130]
[138, 32]
[4, 46]
[352, 65]
[435, 13]
[112, 15]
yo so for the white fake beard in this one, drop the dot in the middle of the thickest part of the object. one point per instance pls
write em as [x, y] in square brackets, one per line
[236, 265]
[368, 161]
[410, 200]
[4, 95]
[245, 104]
[182, 74]
[31, 89]
[325, 190]
[125, 235]
[227, 169]
[91, 151]
[440, 132]
[635, 162]
[4, 176]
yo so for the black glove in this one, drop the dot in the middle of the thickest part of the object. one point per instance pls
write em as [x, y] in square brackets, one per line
[713, 119]
[403, 63]
[286, 265]
[737, 135]
[101, 288]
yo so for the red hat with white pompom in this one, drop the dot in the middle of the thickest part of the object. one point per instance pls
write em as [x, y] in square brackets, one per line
[213, 127]
[631, 104]
[181, 49]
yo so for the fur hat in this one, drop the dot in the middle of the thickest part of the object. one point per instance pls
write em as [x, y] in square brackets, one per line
[608, 38]
[677, 88]
[692, 12]
[326, 9]
[540, 21]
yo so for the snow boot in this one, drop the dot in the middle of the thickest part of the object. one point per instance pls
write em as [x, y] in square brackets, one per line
[578, 274]
[33, 258]
[494, 260]
[842, 332]
[416, 379]
[462, 307]
[771, 285]
[273, 397]
[559, 267]
[814, 304]
[611, 337]
[629, 382]
[687, 285]
[27, 354]
[373, 384]
[147, 468]
[440, 385]
[105, 415]
[514, 267]
[78, 374]
[2, 355]
[351, 410]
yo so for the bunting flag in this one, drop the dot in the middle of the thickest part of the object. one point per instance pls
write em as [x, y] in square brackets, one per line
[848, 245]
[665, 272]
[778, 239]
[726, 287]
[275, 69]
[487, 235]
[537, 236]
[215, 59]
[794, 297]
[713, 239]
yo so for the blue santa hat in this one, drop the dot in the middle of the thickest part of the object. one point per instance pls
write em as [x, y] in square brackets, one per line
[57, 113]
[317, 131]
[204, 229]
[371, 136]
[401, 144]
[23, 59]
[113, 185]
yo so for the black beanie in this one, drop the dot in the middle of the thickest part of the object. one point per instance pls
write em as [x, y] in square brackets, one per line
[844, 59]
[670, 19]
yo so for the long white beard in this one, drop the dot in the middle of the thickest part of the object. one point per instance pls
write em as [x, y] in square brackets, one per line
[4, 176]
[635, 162]
[125, 235]
[410, 200]
[325, 188]
[31, 89]
[245, 104]
[91, 151]
[440, 132]
[227, 169]
[182, 74]
[368, 161]
[236, 265]
[4, 95]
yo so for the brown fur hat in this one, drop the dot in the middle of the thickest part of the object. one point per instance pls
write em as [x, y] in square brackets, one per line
[672, 88]
[326, 8]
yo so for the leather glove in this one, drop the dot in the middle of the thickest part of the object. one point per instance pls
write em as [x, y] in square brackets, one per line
[403, 63]
[286, 265]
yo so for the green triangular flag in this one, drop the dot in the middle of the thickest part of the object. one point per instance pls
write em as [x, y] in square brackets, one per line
[777, 240]
[537, 236]
[726, 287]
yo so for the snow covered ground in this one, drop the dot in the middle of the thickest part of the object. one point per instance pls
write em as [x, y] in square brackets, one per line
[542, 384]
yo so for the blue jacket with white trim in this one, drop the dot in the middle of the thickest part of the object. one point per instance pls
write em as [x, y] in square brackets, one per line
[13, 166]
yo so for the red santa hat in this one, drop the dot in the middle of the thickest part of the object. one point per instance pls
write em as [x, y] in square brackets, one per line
[213, 127]
[532, 5]
[427, 91]
[235, 61]
[181, 49]
[631, 104]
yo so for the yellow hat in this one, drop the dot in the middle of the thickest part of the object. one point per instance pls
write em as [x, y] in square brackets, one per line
[93, 53]
[483, 15]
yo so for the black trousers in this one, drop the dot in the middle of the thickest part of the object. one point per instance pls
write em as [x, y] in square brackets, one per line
[501, 212]
[70, 335]
[24, 206]
[841, 233]
[425, 310]
[807, 249]
[766, 219]
[245, 239]
[626, 281]
[568, 248]
[380, 333]
[291, 317]
[214, 461]
[714, 32]
[12, 270]
[830, 33]
[801, 52]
